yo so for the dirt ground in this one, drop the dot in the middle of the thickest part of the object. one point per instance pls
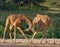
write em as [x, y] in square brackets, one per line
[26, 43]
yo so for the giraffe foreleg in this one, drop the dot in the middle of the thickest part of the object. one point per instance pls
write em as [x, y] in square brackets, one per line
[22, 32]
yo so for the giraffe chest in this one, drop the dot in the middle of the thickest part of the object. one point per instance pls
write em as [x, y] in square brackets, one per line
[18, 22]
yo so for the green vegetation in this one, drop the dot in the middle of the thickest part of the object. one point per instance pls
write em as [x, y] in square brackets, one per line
[31, 14]
[30, 9]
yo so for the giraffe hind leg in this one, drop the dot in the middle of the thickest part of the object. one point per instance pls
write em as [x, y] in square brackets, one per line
[6, 26]
[10, 33]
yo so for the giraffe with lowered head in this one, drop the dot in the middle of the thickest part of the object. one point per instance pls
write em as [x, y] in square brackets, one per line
[43, 22]
[15, 20]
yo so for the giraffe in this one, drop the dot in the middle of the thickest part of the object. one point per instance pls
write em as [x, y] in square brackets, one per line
[15, 20]
[43, 22]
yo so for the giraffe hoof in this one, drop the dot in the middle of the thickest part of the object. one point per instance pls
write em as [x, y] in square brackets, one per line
[41, 43]
[54, 43]
[30, 42]
[3, 42]
[13, 42]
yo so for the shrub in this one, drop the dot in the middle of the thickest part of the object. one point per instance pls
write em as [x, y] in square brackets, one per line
[1, 30]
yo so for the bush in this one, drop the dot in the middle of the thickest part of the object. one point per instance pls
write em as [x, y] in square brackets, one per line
[1, 30]
[24, 25]
[39, 34]
[57, 33]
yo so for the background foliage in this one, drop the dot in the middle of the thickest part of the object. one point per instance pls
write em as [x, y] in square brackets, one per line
[31, 8]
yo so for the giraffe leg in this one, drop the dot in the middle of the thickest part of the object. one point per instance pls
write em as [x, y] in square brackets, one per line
[53, 37]
[51, 27]
[44, 36]
[41, 25]
[14, 34]
[33, 36]
[4, 34]
[33, 30]
[10, 33]
[22, 32]
[6, 26]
